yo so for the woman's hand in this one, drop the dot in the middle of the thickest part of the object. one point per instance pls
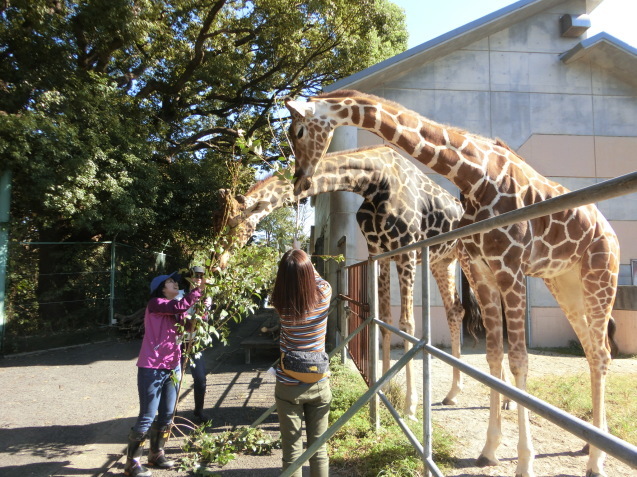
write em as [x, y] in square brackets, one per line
[195, 282]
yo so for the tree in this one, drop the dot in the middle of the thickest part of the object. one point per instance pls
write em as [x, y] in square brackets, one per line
[119, 118]
[279, 229]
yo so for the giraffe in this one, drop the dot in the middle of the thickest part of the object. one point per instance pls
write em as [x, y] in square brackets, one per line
[401, 206]
[575, 252]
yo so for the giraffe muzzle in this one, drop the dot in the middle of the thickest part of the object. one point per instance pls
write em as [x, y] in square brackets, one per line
[302, 184]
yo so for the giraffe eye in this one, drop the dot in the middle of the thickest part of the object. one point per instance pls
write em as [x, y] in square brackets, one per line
[299, 134]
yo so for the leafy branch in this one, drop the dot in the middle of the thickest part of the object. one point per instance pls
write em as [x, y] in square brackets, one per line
[204, 448]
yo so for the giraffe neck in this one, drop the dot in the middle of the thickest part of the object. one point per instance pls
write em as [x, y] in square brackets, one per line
[268, 195]
[366, 173]
[448, 151]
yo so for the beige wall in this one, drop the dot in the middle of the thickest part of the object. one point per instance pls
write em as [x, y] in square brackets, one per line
[626, 334]
[439, 328]
[574, 123]
[580, 156]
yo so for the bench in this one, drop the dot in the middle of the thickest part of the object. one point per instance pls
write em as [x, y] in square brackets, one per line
[258, 341]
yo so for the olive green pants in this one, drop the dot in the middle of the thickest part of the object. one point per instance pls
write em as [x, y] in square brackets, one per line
[309, 403]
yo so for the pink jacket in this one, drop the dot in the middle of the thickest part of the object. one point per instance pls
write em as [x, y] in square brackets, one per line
[160, 349]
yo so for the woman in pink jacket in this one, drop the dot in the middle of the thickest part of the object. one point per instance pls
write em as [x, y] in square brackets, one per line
[159, 360]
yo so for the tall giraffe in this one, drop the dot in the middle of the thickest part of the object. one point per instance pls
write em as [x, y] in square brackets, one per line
[401, 206]
[575, 252]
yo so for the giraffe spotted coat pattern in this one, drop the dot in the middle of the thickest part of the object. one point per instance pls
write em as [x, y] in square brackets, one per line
[575, 252]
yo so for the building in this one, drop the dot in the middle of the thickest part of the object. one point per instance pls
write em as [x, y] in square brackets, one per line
[529, 75]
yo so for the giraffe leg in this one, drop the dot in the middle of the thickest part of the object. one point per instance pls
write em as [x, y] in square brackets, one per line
[465, 264]
[384, 305]
[406, 267]
[514, 301]
[495, 357]
[488, 297]
[444, 272]
[588, 310]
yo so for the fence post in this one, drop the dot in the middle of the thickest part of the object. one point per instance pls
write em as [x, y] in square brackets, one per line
[426, 361]
[372, 286]
[341, 321]
[5, 196]
[111, 305]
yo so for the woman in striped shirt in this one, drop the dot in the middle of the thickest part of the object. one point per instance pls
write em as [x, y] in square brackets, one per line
[302, 299]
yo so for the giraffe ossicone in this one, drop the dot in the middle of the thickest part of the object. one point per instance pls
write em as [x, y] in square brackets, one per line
[575, 252]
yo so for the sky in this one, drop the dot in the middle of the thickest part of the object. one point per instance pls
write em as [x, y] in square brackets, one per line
[427, 19]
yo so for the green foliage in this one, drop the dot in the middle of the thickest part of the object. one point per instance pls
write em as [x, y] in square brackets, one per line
[120, 120]
[204, 448]
[234, 292]
[279, 229]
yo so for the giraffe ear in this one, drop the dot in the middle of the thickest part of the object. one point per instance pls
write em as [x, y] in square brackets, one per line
[241, 199]
[305, 110]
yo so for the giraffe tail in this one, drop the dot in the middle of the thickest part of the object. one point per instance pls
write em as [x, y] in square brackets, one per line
[473, 318]
[612, 344]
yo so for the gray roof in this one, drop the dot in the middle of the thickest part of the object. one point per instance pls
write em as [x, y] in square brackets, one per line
[449, 42]
[606, 52]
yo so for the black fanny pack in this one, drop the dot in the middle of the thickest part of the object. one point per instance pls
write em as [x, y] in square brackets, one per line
[306, 366]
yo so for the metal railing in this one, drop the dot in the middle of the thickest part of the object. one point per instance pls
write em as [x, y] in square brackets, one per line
[619, 449]
[358, 312]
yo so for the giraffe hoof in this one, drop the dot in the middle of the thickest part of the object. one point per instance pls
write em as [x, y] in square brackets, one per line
[411, 417]
[591, 473]
[449, 401]
[484, 461]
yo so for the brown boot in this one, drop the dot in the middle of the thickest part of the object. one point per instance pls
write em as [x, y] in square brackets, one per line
[158, 438]
[134, 452]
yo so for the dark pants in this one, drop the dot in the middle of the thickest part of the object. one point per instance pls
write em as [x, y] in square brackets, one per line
[197, 370]
[309, 403]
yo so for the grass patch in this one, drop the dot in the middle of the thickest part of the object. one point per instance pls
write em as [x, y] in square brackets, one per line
[358, 450]
[573, 395]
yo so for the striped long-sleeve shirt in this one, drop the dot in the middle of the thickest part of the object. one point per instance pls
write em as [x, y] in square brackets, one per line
[307, 334]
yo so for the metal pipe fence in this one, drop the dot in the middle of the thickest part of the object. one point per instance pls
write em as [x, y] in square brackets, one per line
[619, 449]
[61, 293]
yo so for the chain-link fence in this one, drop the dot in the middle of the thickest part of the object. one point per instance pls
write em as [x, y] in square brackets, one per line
[70, 292]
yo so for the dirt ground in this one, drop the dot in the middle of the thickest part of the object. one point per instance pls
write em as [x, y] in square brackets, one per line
[67, 412]
[557, 452]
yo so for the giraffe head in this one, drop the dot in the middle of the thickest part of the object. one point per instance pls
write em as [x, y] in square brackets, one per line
[311, 133]
[231, 225]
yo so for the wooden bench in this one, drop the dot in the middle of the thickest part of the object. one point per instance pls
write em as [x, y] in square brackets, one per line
[258, 341]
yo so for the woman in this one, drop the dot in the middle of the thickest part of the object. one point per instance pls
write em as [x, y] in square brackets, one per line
[302, 299]
[158, 363]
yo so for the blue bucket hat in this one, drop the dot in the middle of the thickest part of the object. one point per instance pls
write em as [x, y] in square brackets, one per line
[159, 279]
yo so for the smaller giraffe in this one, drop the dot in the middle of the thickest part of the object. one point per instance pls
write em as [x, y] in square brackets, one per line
[401, 206]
